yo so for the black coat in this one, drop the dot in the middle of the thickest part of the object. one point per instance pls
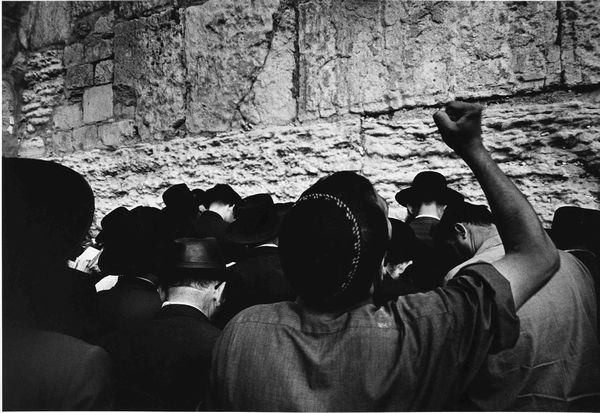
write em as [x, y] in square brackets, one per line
[130, 301]
[44, 370]
[163, 364]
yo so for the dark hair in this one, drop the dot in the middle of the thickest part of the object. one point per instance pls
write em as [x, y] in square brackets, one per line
[333, 240]
[465, 213]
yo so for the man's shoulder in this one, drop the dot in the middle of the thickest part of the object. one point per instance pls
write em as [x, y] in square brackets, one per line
[284, 312]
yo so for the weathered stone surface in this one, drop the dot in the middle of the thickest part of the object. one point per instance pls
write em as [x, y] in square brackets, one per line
[62, 142]
[149, 72]
[97, 103]
[43, 87]
[68, 117]
[114, 134]
[104, 24]
[103, 72]
[33, 147]
[129, 9]
[280, 160]
[79, 76]
[544, 144]
[85, 138]
[83, 8]
[73, 54]
[226, 45]
[10, 143]
[580, 41]
[271, 100]
[395, 54]
[47, 23]
[98, 49]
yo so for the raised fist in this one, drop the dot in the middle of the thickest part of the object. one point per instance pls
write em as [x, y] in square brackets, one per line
[460, 125]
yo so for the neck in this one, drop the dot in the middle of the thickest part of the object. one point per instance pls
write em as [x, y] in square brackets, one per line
[481, 234]
[218, 209]
[200, 299]
[432, 209]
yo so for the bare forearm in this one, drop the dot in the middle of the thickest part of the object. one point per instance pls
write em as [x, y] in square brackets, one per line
[517, 222]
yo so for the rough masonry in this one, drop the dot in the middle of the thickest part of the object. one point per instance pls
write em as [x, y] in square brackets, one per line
[269, 95]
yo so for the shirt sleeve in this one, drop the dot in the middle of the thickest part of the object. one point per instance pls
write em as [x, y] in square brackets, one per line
[455, 327]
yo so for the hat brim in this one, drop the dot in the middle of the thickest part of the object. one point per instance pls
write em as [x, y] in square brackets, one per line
[236, 233]
[408, 195]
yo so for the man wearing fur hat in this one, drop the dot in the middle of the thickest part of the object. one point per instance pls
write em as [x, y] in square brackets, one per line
[333, 349]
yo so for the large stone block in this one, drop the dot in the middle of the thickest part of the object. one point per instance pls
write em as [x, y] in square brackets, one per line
[97, 103]
[396, 54]
[103, 72]
[46, 23]
[113, 135]
[580, 41]
[98, 49]
[68, 117]
[149, 72]
[227, 45]
[271, 100]
[79, 76]
[85, 138]
[73, 54]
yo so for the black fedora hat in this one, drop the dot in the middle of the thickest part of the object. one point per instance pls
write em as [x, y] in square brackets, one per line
[111, 223]
[256, 221]
[178, 196]
[428, 186]
[199, 258]
[45, 203]
[223, 193]
[575, 227]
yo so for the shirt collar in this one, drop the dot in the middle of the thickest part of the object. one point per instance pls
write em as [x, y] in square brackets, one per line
[167, 303]
[266, 245]
[426, 216]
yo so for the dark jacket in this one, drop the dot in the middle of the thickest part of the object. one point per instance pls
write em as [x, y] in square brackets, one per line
[130, 301]
[163, 364]
[44, 370]
[256, 279]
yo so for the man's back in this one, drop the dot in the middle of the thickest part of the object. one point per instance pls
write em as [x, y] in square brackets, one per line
[367, 358]
[555, 365]
[163, 363]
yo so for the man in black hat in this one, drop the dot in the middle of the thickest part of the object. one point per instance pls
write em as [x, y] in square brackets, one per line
[257, 278]
[134, 246]
[425, 201]
[180, 212]
[220, 201]
[163, 364]
[47, 210]
[333, 349]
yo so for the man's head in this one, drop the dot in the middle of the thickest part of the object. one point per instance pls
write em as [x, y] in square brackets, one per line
[221, 199]
[464, 227]
[196, 273]
[333, 240]
[257, 221]
[428, 190]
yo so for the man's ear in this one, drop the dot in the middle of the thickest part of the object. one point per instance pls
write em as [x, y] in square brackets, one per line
[460, 230]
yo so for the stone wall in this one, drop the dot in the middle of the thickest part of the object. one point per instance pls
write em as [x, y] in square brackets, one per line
[269, 95]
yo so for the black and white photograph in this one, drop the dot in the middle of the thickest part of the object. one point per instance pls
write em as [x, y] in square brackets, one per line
[300, 205]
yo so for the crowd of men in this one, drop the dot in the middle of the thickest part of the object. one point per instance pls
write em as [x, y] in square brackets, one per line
[325, 303]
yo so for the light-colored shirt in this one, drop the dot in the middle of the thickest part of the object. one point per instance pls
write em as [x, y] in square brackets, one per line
[555, 365]
[490, 250]
[415, 353]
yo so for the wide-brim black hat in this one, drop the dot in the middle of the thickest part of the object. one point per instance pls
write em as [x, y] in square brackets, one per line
[429, 186]
[112, 223]
[256, 221]
[221, 193]
[45, 203]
